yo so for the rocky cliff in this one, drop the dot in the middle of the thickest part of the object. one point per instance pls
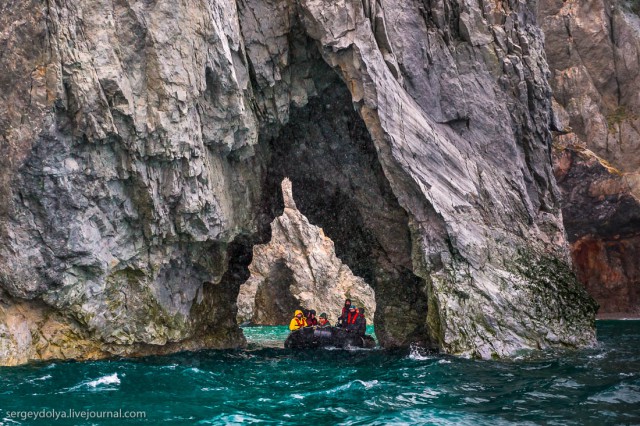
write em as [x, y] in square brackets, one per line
[593, 48]
[299, 268]
[143, 144]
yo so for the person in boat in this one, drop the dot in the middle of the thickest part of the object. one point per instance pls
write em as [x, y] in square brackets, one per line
[312, 321]
[354, 322]
[345, 312]
[298, 321]
[323, 322]
[363, 322]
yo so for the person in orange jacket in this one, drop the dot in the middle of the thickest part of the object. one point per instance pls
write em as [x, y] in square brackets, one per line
[298, 321]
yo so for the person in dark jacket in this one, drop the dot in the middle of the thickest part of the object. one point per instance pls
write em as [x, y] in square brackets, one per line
[345, 312]
[311, 319]
[362, 329]
[354, 322]
[323, 321]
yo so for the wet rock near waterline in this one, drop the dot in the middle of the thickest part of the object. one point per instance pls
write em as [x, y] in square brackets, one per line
[143, 145]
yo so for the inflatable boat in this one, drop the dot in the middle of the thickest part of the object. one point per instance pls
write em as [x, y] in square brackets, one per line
[316, 337]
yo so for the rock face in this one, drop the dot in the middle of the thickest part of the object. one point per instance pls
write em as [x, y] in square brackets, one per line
[299, 268]
[593, 49]
[143, 144]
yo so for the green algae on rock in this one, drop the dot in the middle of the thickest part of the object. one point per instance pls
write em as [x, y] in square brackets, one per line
[145, 165]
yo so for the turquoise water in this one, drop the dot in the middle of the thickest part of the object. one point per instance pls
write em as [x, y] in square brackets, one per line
[267, 384]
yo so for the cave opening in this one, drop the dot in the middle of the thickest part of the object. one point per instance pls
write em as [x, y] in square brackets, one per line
[339, 184]
[274, 302]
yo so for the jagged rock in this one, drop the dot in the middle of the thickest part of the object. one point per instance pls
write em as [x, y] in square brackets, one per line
[602, 218]
[593, 49]
[143, 144]
[121, 125]
[463, 179]
[298, 268]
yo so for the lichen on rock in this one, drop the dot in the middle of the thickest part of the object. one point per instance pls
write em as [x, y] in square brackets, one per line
[143, 144]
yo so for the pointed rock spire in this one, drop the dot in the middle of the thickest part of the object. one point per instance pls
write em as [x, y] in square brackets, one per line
[287, 194]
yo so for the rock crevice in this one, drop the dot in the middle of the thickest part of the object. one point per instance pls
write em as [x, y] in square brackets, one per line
[142, 156]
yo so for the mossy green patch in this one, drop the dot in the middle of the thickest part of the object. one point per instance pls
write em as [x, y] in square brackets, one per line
[557, 293]
[621, 114]
[127, 292]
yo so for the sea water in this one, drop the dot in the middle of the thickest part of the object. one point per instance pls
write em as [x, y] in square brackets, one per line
[267, 384]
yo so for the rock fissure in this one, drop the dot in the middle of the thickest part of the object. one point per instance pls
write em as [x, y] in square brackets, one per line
[158, 135]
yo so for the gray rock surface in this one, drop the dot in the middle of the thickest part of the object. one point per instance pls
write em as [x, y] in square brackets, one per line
[143, 144]
[593, 49]
[299, 268]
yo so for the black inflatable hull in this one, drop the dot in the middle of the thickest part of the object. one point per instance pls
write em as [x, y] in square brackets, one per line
[311, 338]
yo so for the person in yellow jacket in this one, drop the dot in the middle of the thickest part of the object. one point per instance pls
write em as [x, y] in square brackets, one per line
[298, 321]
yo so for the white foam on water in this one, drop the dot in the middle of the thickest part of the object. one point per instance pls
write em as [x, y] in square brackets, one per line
[431, 393]
[601, 355]
[476, 400]
[331, 348]
[339, 388]
[169, 367]
[99, 383]
[357, 348]
[566, 383]
[368, 384]
[111, 379]
[48, 376]
[537, 367]
[40, 379]
[418, 353]
[545, 395]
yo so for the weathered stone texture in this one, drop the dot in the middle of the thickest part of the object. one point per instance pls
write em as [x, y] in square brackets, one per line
[593, 48]
[143, 144]
[299, 268]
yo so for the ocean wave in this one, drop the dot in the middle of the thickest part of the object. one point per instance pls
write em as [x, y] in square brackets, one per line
[231, 418]
[536, 395]
[537, 367]
[418, 353]
[628, 394]
[600, 355]
[39, 379]
[367, 384]
[566, 383]
[104, 382]
[111, 379]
